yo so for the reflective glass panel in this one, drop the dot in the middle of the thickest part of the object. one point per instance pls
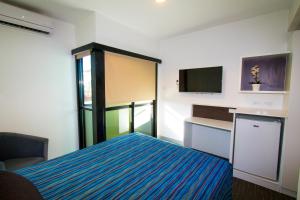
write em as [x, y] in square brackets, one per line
[87, 80]
[118, 122]
[143, 119]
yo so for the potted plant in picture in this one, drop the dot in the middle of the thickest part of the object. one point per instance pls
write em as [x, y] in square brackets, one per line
[255, 75]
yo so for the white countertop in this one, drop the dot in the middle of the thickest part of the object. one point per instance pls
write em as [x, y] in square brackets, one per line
[220, 124]
[260, 112]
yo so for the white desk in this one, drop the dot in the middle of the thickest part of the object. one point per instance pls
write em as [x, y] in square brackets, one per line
[208, 135]
[220, 124]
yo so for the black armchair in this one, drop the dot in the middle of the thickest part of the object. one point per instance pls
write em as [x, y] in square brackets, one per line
[18, 150]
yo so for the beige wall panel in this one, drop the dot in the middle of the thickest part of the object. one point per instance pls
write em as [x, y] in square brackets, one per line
[128, 79]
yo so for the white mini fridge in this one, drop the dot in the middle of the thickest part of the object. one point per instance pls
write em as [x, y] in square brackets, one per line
[257, 146]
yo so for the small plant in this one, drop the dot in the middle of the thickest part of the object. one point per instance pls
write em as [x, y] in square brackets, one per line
[255, 74]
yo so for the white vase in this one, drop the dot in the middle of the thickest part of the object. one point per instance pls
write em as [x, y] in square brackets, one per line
[255, 87]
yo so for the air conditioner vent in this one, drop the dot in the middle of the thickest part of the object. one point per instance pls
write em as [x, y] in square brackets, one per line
[20, 18]
[24, 27]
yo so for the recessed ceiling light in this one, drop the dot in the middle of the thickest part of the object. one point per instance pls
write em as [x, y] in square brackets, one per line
[160, 1]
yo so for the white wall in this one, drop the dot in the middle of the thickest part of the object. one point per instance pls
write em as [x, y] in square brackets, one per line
[114, 34]
[85, 29]
[291, 162]
[94, 27]
[37, 85]
[222, 45]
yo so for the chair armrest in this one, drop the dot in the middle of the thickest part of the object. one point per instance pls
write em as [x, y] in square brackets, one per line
[15, 145]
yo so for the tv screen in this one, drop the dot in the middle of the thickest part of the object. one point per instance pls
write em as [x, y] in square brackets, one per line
[201, 80]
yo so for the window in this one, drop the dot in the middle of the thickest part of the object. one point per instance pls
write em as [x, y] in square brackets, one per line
[87, 80]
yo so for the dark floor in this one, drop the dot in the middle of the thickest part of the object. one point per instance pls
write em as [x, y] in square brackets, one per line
[244, 190]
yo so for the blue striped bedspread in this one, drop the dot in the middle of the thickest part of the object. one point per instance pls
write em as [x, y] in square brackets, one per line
[134, 166]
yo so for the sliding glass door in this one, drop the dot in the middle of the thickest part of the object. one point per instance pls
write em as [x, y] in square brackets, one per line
[116, 93]
[85, 114]
[130, 80]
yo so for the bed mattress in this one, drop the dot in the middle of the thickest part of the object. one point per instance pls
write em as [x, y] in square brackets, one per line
[134, 166]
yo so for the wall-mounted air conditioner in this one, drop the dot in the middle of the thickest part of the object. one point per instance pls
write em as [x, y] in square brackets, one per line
[17, 17]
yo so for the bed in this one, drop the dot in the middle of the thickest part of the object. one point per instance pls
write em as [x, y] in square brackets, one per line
[134, 166]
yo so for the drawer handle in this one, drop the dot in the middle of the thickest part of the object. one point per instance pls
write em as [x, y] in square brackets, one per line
[256, 126]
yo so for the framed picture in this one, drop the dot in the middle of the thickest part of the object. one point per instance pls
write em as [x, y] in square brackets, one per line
[264, 73]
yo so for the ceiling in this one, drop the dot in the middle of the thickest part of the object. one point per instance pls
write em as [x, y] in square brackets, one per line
[171, 18]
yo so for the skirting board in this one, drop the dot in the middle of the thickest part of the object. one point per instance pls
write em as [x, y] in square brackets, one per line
[272, 185]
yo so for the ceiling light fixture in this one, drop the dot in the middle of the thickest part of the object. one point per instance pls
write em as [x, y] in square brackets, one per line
[160, 1]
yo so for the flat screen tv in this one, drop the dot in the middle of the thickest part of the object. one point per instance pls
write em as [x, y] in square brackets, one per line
[207, 79]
